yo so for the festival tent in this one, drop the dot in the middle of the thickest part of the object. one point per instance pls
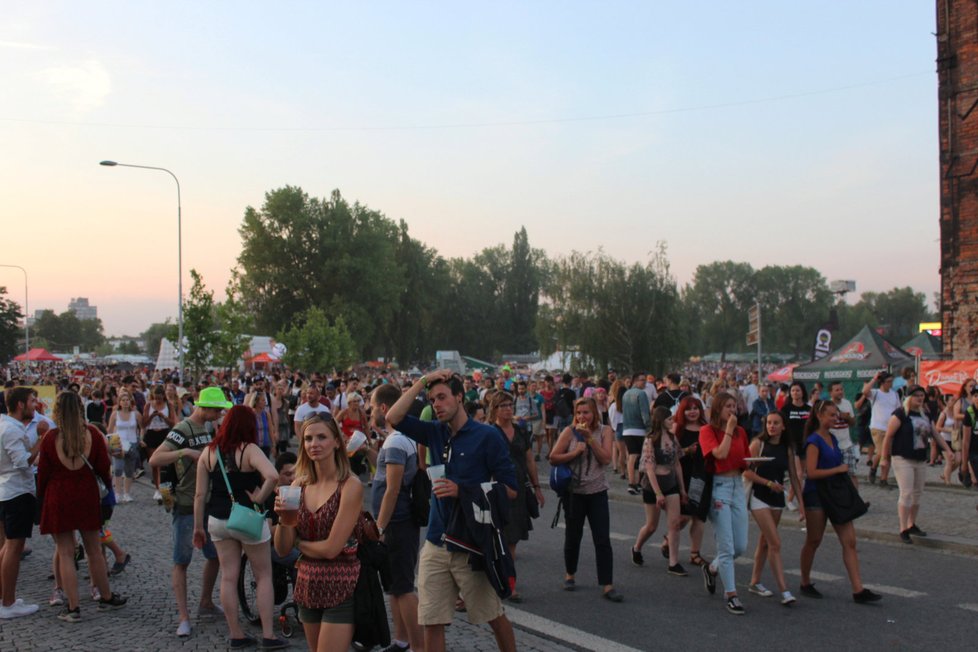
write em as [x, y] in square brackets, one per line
[37, 355]
[924, 345]
[855, 362]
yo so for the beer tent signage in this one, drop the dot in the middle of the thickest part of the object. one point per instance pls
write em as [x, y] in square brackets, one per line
[855, 362]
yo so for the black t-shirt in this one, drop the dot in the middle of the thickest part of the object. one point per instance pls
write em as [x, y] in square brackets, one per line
[971, 423]
[669, 398]
[564, 403]
[795, 418]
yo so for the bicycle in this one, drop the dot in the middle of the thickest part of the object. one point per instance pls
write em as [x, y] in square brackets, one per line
[282, 578]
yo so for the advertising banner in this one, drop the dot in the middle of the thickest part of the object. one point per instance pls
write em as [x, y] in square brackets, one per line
[947, 374]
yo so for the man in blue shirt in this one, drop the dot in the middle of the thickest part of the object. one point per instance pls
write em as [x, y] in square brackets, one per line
[472, 453]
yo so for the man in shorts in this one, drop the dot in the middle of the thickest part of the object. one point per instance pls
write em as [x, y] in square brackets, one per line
[844, 421]
[636, 418]
[472, 453]
[18, 501]
[885, 401]
[397, 464]
[182, 448]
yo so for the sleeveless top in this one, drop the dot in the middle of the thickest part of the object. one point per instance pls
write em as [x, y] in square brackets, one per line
[828, 456]
[127, 429]
[773, 471]
[283, 415]
[349, 425]
[325, 583]
[664, 456]
[263, 425]
[219, 504]
[159, 423]
[589, 477]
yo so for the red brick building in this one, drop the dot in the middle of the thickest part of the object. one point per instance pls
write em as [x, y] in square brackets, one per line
[957, 70]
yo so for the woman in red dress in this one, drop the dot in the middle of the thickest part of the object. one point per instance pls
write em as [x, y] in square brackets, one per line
[71, 456]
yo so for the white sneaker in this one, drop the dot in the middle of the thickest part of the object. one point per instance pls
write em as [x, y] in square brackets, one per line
[157, 496]
[57, 597]
[16, 610]
[183, 630]
[96, 596]
[127, 498]
[760, 589]
[787, 598]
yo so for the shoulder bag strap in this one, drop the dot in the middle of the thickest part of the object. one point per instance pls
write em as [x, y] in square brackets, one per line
[220, 462]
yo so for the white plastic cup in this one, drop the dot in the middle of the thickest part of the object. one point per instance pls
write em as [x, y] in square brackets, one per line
[436, 472]
[290, 497]
[357, 440]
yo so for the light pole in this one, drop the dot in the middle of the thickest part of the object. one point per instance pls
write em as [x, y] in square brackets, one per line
[27, 330]
[179, 258]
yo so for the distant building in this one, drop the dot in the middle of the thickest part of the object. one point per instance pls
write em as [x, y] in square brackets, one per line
[81, 308]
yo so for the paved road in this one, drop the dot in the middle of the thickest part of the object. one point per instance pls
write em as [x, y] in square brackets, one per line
[926, 590]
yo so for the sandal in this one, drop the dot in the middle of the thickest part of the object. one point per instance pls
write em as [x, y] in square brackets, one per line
[665, 548]
[695, 559]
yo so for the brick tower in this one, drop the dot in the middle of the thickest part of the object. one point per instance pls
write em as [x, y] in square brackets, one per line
[957, 71]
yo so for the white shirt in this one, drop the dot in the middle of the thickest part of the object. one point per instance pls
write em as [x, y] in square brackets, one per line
[16, 476]
[305, 411]
[842, 434]
[750, 394]
[884, 404]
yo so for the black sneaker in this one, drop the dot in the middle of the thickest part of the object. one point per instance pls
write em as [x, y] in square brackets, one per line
[872, 475]
[241, 643]
[637, 558]
[865, 596]
[115, 601]
[809, 591]
[905, 537]
[70, 615]
[394, 647]
[734, 606]
[709, 579]
[279, 644]
[634, 489]
[916, 531]
[678, 570]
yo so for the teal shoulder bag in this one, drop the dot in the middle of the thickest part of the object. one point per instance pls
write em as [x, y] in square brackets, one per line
[243, 520]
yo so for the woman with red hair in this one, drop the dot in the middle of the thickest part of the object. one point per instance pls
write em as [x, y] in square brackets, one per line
[688, 420]
[252, 479]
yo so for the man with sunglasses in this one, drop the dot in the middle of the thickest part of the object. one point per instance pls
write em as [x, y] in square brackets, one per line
[472, 453]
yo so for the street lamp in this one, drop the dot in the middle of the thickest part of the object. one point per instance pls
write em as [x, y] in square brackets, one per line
[27, 330]
[179, 258]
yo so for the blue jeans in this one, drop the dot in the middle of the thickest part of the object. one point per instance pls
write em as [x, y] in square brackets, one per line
[729, 516]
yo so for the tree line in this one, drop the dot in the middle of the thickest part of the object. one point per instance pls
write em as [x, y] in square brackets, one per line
[339, 282]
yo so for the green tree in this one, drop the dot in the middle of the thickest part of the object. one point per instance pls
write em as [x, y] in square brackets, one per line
[153, 335]
[717, 302]
[795, 303]
[234, 322]
[129, 347]
[10, 329]
[316, 345]
[521, 294]
[299, 251]
[609, 311]
[198, 326]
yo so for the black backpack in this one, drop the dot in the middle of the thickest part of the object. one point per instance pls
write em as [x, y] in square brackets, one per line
[421, 498]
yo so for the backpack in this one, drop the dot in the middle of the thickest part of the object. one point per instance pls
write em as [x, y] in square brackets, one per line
[421, 498]
[562, 474]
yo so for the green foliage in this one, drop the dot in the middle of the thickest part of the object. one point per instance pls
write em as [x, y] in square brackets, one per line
[613, 313]
[153, 335]
[10, 329]
[128, 347]
[65, 331]
[316, 345]
[795, 303]
[234, 320]
[717, 302]
[897, 312]
[198, 326]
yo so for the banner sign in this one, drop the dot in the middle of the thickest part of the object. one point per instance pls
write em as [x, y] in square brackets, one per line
[948, 375]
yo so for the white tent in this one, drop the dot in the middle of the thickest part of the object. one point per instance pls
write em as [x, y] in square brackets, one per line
[167, 359]
[557, 360]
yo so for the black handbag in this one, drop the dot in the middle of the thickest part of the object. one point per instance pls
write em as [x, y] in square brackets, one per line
[700, 494]
[530, 496]
[840, 499]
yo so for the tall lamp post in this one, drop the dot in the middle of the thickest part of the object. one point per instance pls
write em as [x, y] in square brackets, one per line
[179, 258]
[27, 330]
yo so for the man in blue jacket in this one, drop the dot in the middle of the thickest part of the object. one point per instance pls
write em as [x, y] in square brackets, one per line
[472, 453]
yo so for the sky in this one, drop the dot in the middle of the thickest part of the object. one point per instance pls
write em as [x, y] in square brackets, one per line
[771, 132]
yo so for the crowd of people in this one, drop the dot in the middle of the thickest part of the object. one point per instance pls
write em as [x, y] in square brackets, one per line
[719, 448]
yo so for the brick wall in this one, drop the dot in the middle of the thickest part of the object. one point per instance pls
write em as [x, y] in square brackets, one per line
[957, 68]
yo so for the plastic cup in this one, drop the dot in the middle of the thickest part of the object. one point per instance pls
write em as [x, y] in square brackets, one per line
[290, 497]
[436, 472]
[166, 495]
[357, 440]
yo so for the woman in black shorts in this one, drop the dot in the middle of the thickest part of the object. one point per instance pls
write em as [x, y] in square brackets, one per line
[159, 417]
[662, 488]
[766, 501]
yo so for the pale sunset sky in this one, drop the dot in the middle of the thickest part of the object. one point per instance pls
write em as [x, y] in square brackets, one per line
[763, 131]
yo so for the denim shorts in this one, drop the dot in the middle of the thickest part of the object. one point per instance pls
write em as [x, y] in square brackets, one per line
[183, 540]
[341, 614]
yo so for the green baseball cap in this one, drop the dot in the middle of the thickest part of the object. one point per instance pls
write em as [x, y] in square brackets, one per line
[213, 397]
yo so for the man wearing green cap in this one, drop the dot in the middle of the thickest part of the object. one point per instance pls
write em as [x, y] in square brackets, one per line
[181, 448]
